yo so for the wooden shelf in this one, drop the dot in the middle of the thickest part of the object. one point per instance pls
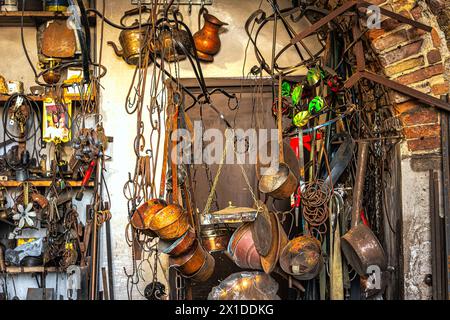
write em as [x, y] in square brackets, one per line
[4, 98]
[32, 269]
[42, 183]
[34, 18]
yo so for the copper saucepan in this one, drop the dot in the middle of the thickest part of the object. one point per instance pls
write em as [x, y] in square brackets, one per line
[192, 262]
[279, 183]
[360, 246]
[170, 223]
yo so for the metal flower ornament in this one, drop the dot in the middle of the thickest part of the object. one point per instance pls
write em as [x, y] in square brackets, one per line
[24, 216]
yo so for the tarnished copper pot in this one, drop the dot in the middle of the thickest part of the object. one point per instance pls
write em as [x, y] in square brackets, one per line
[242, 250]
[207, 41]
[132, 42]
[190, 262]
[279, 184]
[169, 223]
[206, 270]
[302, 258]
[141, 217]
[179, 246]
[215, 239]
[168, 44]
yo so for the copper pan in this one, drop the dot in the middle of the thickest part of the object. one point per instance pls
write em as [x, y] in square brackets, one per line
[179, 246]
[169, 223]
[242, 250]
[302, 258]
[190, 262]
[279, 240]
[215, 239]
[261, 230]
[360, 245]
[279, 183]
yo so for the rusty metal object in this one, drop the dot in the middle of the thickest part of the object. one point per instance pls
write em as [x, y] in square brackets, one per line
[302, 258]
[169, 223]
[132, 43]
[360, 246]
[279, 184]
[232, 214]
[179, 246]
[39, 199]
[215, 239]
[279, 240]
[207, 41]
[261, 231]
[241, 249]
[58, 41]
[192, 261]
[167, 44]
[141, 217]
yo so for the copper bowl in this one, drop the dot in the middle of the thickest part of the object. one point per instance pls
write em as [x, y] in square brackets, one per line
[242, 250]
[215, 239]
[141, 217]
[179, 246]
[190, 262]
[169, 223]
[302, 258]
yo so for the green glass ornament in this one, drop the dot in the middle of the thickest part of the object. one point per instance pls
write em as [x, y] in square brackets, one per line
[297, 94]
[301, 119]
[316, 104]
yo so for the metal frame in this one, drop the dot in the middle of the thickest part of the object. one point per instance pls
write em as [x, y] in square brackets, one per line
[361, 72]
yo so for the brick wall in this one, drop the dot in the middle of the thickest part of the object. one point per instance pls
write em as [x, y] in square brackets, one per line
[417, 59]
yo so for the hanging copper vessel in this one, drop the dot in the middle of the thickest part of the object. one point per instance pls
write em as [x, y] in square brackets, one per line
[143, 214]
[179, 246]
[169, 223]
[207, 41]
[132, 42]
[170, 41]
[242, 250]
[194, 263]
[215, 239]
[302, 258]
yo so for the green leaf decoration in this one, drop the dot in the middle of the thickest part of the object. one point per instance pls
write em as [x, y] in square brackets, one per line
[297, 94]
[285, 89]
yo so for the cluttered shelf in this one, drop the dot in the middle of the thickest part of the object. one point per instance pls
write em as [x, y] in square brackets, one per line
[4, 98]
[16, 270]
[42, 183]
[33, 18]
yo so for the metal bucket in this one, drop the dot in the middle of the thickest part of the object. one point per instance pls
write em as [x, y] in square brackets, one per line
[279, 185]
[192, 261]
[215, 239]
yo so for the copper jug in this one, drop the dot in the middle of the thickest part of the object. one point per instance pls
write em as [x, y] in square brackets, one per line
[207, 41]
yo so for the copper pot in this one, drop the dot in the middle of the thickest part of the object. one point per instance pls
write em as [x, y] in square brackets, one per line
[206, 270]
[141, 217]
[242, 250]
[169, 223]
[302, 258]
[215, 239]
[52, 75]
[279, 184]
[179, 246]
[207, 41]
[192, 261]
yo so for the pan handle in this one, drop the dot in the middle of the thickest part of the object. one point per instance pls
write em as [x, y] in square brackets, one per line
[363, 150]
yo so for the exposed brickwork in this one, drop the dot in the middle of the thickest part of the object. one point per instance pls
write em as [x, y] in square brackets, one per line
[404, 66]
[424, 144]
[401, 53]
[440, 89]
[421, 74]
[434, 56]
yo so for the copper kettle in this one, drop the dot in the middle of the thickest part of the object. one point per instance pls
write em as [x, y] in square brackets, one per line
[207, 41]
[132, 42]
[168, 43]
